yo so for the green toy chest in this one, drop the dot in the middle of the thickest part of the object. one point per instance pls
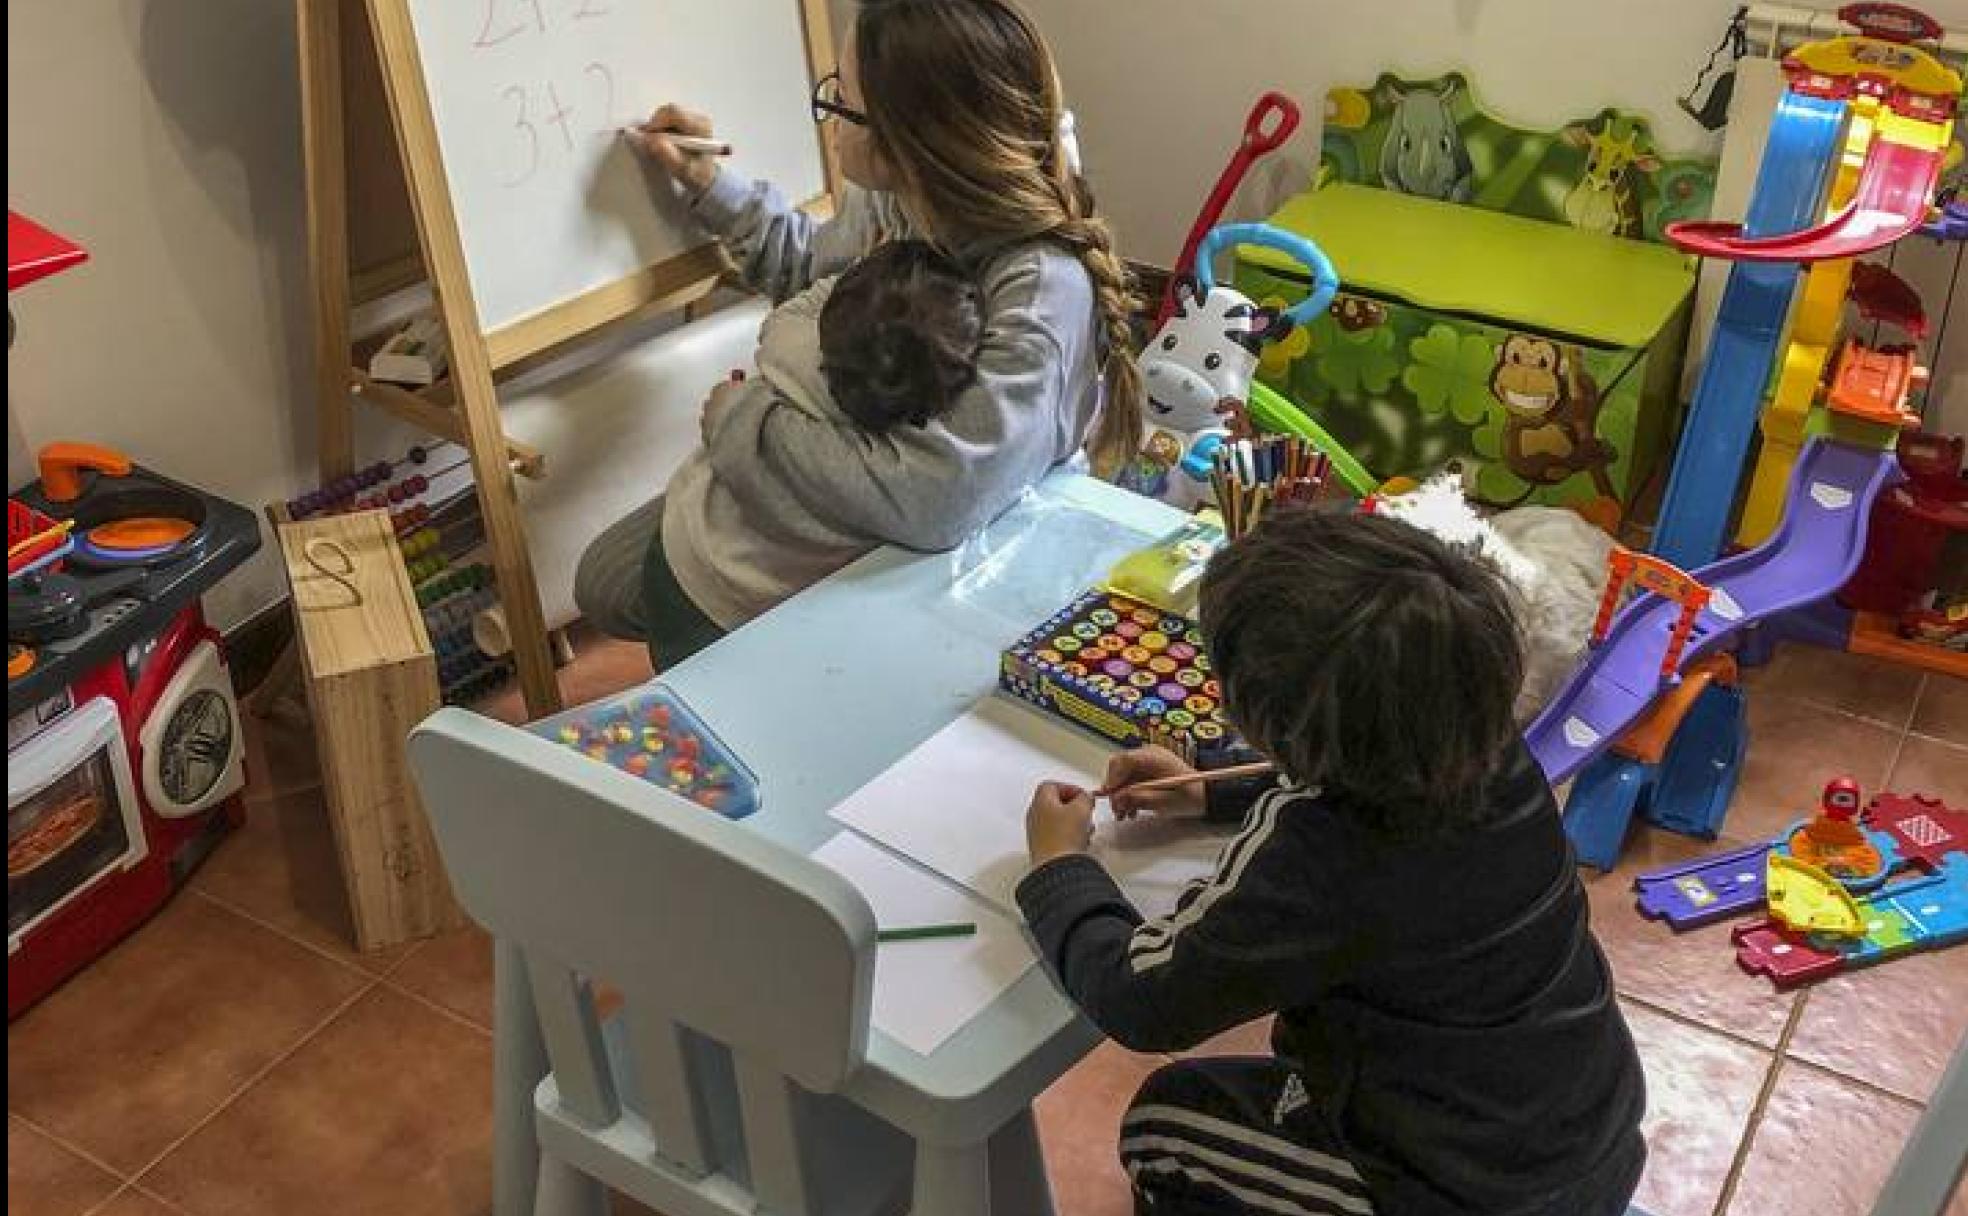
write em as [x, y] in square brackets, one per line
[1543, 357]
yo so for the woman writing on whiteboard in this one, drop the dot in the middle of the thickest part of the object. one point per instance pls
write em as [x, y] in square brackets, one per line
[948, 125]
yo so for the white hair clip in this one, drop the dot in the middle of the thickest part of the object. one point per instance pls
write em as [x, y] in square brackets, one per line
[1069, 141]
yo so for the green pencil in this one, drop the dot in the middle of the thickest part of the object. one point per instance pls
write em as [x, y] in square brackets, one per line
[924, 932]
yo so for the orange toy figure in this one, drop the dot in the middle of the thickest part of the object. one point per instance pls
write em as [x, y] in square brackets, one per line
[1833, 840]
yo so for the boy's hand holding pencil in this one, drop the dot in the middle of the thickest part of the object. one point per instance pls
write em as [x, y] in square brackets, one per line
[1152, 779]
[1133, 779]
[1059, 822]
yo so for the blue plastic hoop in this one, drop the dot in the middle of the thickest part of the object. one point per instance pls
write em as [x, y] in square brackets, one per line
[1325, 280]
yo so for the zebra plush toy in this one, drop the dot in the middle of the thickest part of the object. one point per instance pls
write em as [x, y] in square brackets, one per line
[1197, 369]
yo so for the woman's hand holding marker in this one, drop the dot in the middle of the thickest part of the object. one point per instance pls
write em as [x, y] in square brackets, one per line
[681, 141]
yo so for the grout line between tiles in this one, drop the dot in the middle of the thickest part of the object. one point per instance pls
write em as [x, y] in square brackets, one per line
[1871, 1087]
[131, 1188]
[435, 1006]
[158, 1199]
[384, 976]
[312, 947]
[1899, 749]
[308, 1036]
[1950, 744]
[1692, 1023]
[76, 1149]
[1900, 727]
[1762, 1103]
[121, 1190]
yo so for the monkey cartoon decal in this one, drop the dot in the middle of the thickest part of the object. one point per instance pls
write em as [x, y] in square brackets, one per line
[1550, 408]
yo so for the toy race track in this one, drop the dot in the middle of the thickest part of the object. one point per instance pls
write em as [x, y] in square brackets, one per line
[1814, 552]
[1828, 912]
[1912, 97]
[1749, 331]
[1902, 171]
[1926, 913]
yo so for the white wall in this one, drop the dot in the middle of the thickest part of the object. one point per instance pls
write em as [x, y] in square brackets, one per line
[164, 136]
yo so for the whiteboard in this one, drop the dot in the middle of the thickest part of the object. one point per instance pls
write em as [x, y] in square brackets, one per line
[529, 98]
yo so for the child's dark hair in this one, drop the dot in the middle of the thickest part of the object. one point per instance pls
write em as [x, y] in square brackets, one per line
[1366, 656]
[899, 335]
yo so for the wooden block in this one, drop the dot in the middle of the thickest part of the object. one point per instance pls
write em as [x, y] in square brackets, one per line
[371, 677]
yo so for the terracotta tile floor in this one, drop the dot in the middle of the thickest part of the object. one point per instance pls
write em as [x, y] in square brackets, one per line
[235, 1056]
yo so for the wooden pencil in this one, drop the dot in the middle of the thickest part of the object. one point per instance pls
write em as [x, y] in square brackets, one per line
[1202, 776]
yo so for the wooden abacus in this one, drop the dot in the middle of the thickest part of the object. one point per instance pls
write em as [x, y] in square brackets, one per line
[449, 595]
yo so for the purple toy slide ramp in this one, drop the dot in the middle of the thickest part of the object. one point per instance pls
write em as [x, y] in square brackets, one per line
[1813, 553]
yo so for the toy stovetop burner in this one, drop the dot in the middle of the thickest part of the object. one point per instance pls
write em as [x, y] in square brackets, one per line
[1127, 671]
[114, 552]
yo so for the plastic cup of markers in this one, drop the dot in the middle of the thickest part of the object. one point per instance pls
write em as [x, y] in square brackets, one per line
[652, 734]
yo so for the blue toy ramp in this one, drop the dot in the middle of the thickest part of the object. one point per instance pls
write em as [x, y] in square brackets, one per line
[1601, 807]
[1814, 551]
[1699, 772]
[1790, 186]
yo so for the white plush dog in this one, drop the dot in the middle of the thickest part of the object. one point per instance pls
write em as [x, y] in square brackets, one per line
[1553, 561]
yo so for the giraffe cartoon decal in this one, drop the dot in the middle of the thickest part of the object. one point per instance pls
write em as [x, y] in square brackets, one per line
[1606, 197]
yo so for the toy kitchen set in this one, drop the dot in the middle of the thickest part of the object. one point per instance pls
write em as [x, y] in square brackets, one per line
[124, 753]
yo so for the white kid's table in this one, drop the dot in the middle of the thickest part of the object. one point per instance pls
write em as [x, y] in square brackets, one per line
[831, 688]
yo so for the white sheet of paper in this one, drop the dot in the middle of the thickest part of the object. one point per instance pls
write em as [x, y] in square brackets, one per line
[925, 991]
[957, 804]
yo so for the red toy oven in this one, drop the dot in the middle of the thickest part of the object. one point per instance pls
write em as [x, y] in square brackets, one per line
[116, 789]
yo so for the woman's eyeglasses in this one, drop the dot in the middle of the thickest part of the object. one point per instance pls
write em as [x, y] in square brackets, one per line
[827, 102]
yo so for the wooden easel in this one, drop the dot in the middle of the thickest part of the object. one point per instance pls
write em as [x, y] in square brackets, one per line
[343, 43]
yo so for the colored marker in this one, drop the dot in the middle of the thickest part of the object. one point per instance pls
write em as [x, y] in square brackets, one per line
[925, 932]
[697, 145]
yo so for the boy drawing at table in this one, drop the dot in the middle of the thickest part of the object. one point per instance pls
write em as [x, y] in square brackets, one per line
[1402, 897]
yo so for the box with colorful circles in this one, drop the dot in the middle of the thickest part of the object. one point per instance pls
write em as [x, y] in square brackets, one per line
[652, 734]
[1125, 670]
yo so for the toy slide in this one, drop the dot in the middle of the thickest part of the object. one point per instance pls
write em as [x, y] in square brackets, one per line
[1814, 552]
[1896, 191]
[1790, 183]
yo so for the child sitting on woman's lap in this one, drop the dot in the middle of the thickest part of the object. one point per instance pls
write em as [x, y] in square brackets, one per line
[890, 342]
